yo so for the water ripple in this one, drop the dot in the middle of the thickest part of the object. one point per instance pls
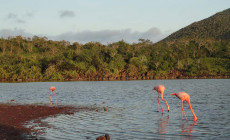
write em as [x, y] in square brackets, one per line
[132, 109]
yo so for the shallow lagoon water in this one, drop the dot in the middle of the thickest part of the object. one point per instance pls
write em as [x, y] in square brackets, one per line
[132, 109]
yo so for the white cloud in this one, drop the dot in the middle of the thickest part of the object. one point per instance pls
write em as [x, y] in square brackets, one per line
[109, 36]
[15, 18]
[103, 36]
[66, 13]
[28, 15]
[12, 16]
[5, 33]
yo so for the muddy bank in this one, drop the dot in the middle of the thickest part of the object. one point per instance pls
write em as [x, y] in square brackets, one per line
[12, 118]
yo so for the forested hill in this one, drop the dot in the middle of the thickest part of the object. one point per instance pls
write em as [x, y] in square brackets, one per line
[201, 50]
[214, 27]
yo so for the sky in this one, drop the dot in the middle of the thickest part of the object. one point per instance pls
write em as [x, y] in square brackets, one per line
[104, 21]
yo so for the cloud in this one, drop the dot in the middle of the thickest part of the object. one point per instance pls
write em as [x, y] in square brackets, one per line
[66, 13]
[28, 15]
[5, 33]
[103, 36]
[109, 36]
[14, 18]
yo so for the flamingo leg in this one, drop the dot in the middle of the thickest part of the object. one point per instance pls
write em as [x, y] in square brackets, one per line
[185, 115]
[162, 109]
[160, 104]
[183, 111]
[51, 97]
[182, 106]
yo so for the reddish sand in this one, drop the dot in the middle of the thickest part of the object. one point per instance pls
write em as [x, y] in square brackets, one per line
[12, 118]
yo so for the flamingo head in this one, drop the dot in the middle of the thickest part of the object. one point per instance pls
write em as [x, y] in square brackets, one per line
[168, 107]
[173, 94]
[155, 88]
[52, 89]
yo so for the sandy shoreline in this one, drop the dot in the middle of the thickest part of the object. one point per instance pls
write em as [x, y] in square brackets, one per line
[13, 116]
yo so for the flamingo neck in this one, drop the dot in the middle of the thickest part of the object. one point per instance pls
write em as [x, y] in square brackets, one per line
[195, 118]
[165, 101]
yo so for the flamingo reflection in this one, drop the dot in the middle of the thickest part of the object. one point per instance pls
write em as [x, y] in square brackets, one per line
[162, 124]
[187, 130]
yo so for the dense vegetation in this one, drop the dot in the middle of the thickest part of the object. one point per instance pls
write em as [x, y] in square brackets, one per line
[200, 51]
[43, 59]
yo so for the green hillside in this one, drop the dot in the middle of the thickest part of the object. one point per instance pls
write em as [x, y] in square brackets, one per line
[215, 27]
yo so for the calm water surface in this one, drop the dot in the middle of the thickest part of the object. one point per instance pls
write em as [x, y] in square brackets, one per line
[132, 109]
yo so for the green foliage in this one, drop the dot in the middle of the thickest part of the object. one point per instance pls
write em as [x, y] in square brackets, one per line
[91, 71]
[3, 74]
[43, 59]
[52, 74]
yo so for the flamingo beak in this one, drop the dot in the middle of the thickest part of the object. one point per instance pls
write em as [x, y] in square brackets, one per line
[173, 94]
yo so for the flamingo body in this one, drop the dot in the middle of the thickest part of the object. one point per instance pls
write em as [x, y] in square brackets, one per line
[52, 89]
[185, 97]
[160, 89]
[182, 96]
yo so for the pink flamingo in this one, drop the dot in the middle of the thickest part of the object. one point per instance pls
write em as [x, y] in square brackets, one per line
[185, 97]
[52, 89]
[160, 89]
